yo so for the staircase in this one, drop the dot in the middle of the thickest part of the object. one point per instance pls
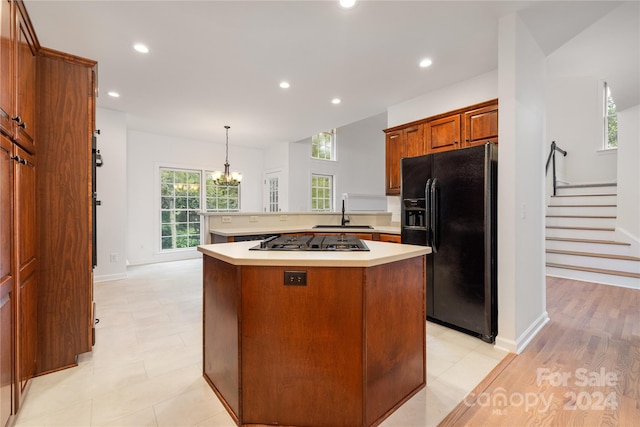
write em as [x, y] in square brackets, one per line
[581, 239]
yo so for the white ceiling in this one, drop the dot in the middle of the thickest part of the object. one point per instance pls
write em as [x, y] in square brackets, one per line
[216, 63]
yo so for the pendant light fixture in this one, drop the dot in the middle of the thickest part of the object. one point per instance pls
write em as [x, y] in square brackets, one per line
[226, 177]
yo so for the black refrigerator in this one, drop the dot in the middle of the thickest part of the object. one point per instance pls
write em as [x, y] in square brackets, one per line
[449, 203]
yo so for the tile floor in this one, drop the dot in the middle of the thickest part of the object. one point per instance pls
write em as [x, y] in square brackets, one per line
[146, 369]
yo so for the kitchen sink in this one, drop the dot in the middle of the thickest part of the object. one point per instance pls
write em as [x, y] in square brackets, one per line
[342, 226]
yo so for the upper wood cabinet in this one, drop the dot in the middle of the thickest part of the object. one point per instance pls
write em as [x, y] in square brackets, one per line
[443, 134]
[25, 77]
[481, 126]
[406, 142]
[6, 68]
[413, 140]
[18, 50]
[465, 127]
[394, 151]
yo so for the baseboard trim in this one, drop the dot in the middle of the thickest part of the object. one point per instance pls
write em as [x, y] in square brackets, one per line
[109, 277]
[519, 344]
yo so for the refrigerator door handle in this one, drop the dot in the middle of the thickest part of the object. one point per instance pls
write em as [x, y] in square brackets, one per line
[427, 213]
[434, 215]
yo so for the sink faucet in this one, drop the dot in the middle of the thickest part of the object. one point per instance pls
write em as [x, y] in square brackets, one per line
[344, 220]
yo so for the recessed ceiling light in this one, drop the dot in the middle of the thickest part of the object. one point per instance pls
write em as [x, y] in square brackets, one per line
[336, 101]
[347, 4]
[113, 94]
[141, 48]
[284, 85]
[425, 63]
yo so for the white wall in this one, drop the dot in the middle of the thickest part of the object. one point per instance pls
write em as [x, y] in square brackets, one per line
[521, 271]
[575, 122]
[473, 91]
[359, 166]
[606, 51]
[111, 216]
[629, 172]
[146, 153]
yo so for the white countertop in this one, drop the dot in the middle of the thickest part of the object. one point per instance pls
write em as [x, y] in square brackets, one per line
[238, 253]
[245, 231]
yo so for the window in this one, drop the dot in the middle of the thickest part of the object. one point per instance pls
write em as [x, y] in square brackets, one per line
[610, 120]
[321, 192]
[322, 146]
[221, 198]
[181, 199]
[179, 206]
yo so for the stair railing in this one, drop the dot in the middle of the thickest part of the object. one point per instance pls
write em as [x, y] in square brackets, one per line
[552, 155]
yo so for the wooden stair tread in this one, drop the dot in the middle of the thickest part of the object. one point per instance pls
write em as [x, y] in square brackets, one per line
[583, 206]
[584, 195]
[595, 270]
[594, 255]
[605, 242]
[582, 216]
[589, 185]
[581, 228]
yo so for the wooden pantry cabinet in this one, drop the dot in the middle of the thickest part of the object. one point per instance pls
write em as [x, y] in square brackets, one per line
[6, 279]
[465, 127]
[66, 121]
[47, 118]
[26, 269]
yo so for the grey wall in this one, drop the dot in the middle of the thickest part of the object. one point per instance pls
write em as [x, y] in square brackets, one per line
[359, 166]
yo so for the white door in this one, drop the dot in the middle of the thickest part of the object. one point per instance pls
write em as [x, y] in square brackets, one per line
[272, 192]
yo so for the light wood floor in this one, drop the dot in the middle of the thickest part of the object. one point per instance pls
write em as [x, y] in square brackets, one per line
[582, 369]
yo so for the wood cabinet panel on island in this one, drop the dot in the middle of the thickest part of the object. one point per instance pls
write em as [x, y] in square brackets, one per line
[346, 348]
[465, 127]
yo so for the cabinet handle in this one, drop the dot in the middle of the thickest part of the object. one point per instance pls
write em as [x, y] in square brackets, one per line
[19, 160]
[18, 120]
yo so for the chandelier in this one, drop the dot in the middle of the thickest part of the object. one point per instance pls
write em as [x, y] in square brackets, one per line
[226, 177]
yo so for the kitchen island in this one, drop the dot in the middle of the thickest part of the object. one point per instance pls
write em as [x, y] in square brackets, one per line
[314, 338]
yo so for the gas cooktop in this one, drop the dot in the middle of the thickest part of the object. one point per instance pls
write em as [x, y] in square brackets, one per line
[311, 243]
